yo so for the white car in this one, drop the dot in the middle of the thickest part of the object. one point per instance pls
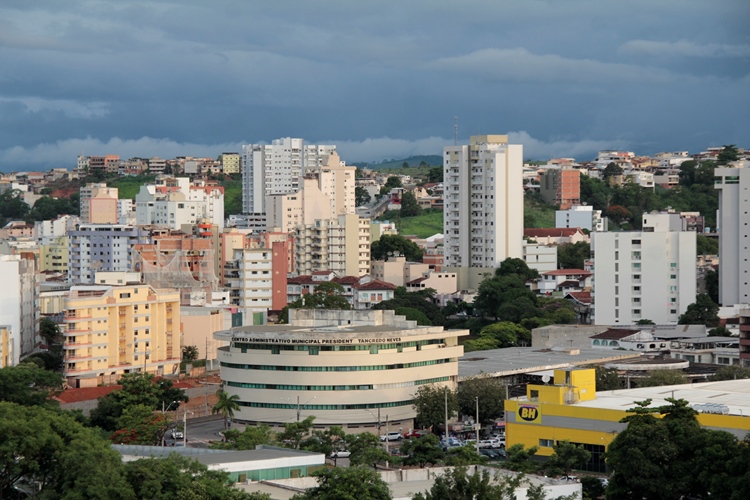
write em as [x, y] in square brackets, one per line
[341, 454]
[392, 436]
[177, 434]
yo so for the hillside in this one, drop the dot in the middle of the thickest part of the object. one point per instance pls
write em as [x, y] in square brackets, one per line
[412, 161]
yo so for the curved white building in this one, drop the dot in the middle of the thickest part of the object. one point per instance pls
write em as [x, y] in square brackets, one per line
[350, 368]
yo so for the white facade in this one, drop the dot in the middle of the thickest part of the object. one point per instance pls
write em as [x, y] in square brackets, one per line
[17, 305]
[340, 245]
[277, 168]
[734, 234]
[583, 216]
[483, 202]
[48, 230]
[252, 290]
[343, 367]
[540, 257]
[102, 247]
[643, 275]
[176, 202]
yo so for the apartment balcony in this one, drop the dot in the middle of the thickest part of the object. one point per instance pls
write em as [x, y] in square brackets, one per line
[79, 331]
[69, 317]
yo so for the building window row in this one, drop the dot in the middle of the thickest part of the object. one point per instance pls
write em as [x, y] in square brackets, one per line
[280, 387]
[336, 368]
[309, 407]
[373, 348]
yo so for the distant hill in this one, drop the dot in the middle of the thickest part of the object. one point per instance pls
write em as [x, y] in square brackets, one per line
[413, 161]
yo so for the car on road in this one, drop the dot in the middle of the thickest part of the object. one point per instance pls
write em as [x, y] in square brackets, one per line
[341, 454]
[392, 436]
[177, 434]
[417, 433]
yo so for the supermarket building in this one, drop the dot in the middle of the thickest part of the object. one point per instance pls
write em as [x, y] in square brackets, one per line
[358, 369]
[570, 409]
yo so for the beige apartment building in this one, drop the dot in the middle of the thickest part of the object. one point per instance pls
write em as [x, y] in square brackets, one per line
[110, 330]
[340, 245]
[98, 204]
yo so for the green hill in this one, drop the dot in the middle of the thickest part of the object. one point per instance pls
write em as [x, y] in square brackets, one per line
[412, 161]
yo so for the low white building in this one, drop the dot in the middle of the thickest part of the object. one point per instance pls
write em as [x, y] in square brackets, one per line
[583, 216]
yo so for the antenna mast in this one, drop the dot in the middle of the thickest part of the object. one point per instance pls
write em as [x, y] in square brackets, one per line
[455, 131]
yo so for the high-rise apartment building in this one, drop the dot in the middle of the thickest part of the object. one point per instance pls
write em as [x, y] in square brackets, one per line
[734, 234]
[172, 202]
[340, 245]
[102, 247]
[648, 274]
[98, 204]
[278, 168]
[110, 330]
[17, 307]
[483, 202]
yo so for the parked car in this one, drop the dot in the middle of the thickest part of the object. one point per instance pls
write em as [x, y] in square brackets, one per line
[392, 436]
[177, 434]
[487, 453]
[416, 433]
[341, 454]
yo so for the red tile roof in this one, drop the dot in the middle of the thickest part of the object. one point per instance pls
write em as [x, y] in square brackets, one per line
[582, 297]
[301, 280]
[552, 232]
[615, 334]
[86, 393]
[377, 285]
[567, 272]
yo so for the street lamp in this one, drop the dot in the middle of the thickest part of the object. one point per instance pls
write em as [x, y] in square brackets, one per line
[184, 426]
[163, 412]
[299, 408]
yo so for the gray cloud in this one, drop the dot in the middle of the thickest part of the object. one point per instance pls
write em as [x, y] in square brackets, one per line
[684, 48]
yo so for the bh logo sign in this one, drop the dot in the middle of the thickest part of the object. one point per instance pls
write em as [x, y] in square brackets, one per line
[529, 413]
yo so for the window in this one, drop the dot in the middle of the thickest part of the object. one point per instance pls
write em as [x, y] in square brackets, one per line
[547, 443]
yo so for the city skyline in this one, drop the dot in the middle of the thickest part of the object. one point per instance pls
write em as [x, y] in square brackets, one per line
[380, 80]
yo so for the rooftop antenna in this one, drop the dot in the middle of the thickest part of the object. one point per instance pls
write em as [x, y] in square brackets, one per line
[455, 131]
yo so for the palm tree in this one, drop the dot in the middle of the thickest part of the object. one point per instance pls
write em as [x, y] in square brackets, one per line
[226, 405]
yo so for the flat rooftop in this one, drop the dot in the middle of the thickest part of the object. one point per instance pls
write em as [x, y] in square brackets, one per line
[518, 360]
[734, 394]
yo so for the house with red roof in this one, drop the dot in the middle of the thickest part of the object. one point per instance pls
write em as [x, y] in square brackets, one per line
[556, 235]
[564, 280]
[361, 292]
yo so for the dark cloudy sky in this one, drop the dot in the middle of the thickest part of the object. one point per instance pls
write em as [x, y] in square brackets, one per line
[380, 79]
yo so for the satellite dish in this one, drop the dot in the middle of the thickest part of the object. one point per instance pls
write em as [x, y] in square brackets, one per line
[545, 378]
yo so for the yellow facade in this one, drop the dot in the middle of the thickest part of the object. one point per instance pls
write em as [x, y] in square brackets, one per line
[568, 411]
[111, 330]
[6, 356]
[54, 256]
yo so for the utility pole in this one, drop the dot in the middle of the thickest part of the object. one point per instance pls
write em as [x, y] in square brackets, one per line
[298, 410]
[446, 416]
[476, 424]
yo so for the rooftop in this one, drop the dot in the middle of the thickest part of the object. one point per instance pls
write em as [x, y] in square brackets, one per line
[515, 360]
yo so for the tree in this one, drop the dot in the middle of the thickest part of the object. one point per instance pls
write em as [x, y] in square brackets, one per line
[361, 196]
[703, 311]
[573, 255]
[519, 458]
[463, 455]
[421, 300]
[395, 243]
[430, 404]
[567, 455]
[49, 450]
[295, 432]
[29, 385]
[325, 442]
[731, 372]
[49, 331]
[140, 425]
[137, 389]
[727, 154]
[706, 246]
[644, 322]
[712, 285]
[435, 174]
[248, 439]
[458, 484]
[365, 449]
[409, 205]
[327, 295]
[658, 378]
[190, 353]
[491, 394]
[422, 451]
[607, 379]
[12, 206]
[226, 405]
[611, 170]
[347, 483]
[182, 478]
[506, 334]
[413, 315]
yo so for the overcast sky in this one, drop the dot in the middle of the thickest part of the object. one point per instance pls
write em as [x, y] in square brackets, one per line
[380, 79]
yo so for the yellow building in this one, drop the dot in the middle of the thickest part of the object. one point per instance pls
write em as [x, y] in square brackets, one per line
[6, 354]
[111, 330]
[570, 409]
[53, 256]
[230, 163]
